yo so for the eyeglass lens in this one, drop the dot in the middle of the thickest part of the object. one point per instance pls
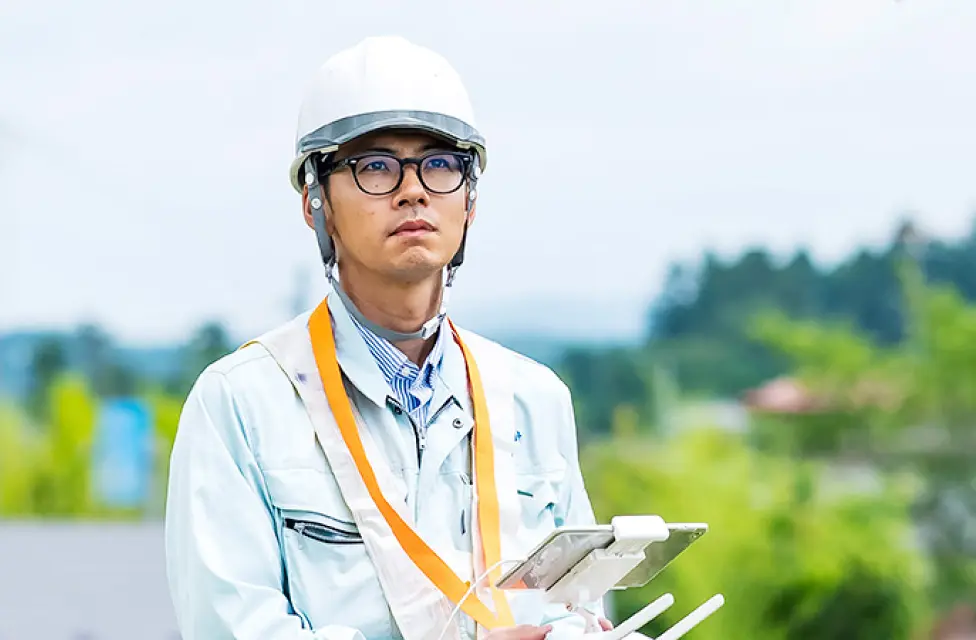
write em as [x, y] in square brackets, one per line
[380, 174]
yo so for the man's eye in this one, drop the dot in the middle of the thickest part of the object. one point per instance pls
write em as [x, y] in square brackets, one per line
[442, 163]
[375, 165]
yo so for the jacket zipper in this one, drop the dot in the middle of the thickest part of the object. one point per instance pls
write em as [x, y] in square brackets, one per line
[322, 533]
[421, 442]
[419, 434]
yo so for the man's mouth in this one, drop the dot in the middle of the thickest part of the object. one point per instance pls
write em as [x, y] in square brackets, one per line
[413, 228]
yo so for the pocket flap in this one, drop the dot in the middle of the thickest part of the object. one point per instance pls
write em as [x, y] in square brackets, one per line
[309, 494]
[537, 492]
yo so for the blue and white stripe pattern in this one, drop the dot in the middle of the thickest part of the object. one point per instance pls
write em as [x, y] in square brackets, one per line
[413, 386]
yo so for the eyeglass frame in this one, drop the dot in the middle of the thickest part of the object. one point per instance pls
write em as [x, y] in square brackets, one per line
[467, 162]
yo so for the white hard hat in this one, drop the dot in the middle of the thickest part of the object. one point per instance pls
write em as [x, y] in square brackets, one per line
[382, 83]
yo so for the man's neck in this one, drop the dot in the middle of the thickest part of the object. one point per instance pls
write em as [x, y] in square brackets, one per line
[401, 307]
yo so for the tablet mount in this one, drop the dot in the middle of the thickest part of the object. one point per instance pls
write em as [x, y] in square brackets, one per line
[604, 570]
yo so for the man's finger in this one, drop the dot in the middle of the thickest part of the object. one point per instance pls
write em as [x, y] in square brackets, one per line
[520, 632]
[543, 632]
[531, 632]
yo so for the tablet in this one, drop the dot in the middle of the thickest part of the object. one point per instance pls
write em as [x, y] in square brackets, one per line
[562, 549]
[659, 555]
[552, 558]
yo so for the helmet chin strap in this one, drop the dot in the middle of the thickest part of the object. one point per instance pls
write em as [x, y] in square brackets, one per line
[427, 330]
[327, 250]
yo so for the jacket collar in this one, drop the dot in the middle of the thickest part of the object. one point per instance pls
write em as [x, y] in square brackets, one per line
[358, 364]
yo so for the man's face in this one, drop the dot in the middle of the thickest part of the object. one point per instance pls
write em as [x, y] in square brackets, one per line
[406, 235]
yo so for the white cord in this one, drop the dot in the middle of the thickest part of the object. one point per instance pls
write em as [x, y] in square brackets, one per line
[474, 585]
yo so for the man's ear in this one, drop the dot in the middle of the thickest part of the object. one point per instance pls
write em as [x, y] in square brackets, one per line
[326, 209]
[307, 209]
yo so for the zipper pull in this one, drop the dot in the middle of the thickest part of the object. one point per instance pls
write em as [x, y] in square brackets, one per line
[300, 530]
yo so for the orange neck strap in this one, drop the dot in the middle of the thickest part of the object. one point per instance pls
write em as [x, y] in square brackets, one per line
[426, 559]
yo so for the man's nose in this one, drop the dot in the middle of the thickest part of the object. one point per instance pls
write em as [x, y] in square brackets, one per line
[411, 192]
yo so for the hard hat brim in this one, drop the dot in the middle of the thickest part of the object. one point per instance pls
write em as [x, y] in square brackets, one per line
[327, 139]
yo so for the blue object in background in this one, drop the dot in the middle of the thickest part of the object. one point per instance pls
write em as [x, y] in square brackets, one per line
[122, 464]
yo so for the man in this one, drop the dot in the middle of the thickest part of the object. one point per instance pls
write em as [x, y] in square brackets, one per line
[349, 474]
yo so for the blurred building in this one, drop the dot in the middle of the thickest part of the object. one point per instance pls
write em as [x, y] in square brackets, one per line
[958, 624]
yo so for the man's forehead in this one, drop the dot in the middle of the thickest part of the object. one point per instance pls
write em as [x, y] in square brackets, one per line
[403, 142]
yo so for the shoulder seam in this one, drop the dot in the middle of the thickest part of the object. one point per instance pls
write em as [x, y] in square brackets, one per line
[228, 363]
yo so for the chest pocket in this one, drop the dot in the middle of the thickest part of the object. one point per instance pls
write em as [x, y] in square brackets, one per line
[330, 577]
[538, 493]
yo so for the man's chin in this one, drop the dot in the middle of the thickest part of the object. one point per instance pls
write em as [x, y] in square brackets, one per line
[415, 269]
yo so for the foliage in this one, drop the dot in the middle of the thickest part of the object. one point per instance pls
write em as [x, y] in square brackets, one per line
[794, 557]
[908, 406]
[604, 382]
[18, 455]
[700, 323]
[108, 375]
[46, 467]
[207, 344]
[47, 363]
[46, 471]
[700, 327]
[65, 468]
[166, 411]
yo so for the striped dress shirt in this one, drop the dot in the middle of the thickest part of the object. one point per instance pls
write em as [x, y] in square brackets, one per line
[412, 386]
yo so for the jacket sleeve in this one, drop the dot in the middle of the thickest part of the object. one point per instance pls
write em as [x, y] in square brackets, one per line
[222, 554]
[572, 507]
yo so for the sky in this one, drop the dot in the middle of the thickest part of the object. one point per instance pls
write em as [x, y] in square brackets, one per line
[144, 148]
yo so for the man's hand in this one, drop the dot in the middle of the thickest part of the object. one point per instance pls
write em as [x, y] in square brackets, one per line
[521, 632]
[605, 624]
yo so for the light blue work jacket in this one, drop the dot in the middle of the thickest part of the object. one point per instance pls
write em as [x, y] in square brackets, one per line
[259, 542]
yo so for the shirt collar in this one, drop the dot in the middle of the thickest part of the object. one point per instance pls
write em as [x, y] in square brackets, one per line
[362, 370]
[394, 364]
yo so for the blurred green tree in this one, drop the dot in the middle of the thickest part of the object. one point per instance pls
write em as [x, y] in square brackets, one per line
[907, 406]
[605, 380]
[698, 326]
[209, 343]
[18, 461]
[48, 361]
[63, 467]
[99, 362]
[796, 554]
